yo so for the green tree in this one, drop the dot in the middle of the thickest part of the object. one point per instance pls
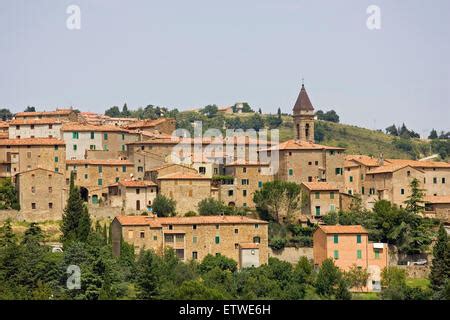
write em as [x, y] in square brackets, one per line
[30, 109]
[8, 195]
[392, 130]
[393, 283]
[211, 206]
[433, 134]
[356, 277]
[163, 206]
[5, 114]
[328, 279]
[440, 266]
[278, 198]
[414, 203]
[146, 278]
[210, 111]
[218, 261]
[76, 223]
[125, 112]
[113, 112]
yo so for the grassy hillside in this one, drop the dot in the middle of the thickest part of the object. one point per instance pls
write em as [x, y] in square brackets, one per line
[358, 140]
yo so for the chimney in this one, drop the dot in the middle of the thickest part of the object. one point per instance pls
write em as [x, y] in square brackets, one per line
[381, 160]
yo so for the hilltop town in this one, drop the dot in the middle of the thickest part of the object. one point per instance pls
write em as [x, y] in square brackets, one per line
[160, 189]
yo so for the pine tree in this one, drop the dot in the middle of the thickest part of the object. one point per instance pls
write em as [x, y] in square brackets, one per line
[279, 113]
[440, 266]
[433, 134]
[414, 204]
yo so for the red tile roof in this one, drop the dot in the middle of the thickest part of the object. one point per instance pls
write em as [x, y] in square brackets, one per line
[146, 123]
[339, 229]
[300, 145]
[303, 103]
[183, 176]
[106, 162]
[146, 220]
[45, 113]
[320, 186]
[363, 159]
[74, 126]
[35, 121]
[136, 183]
[32, 142]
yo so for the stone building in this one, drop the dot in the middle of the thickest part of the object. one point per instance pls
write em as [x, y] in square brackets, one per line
[19, 155]
[319, 198]
[242, 239]
[163, 125]
[94, 176]
[35, 128]
[60, 114]
[438, 207]
[81, 138]
[4, 127]
[349, 246]
[133, 196]
[42, 191]
[248, 177]
[187, 189]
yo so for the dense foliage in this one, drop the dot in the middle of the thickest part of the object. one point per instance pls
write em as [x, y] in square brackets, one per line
[8, 195]
[164, 206]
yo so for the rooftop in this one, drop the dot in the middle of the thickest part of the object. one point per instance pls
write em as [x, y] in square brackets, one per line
[74, 126]
[56, 112]
[338, 229]
[183, 176]
[153, 221]
[106, 162]
[31, 142]
[35, 121]
[303, 103]
[300, 145]
[320, 186]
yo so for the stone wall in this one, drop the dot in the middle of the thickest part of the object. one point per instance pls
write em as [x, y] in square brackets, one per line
[291, 254]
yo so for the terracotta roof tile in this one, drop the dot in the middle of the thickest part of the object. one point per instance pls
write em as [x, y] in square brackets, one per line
[159, 221]
[339, 229]
[45, 113]
[320, 186]
[146, 123]
[106, 162]
[437, 199]
[31, 142]
[137, 183]
[75, 126]
[419, 164]
[35, 121]
[363, 159]
[300, 145]
[303, 103]
[183, 176]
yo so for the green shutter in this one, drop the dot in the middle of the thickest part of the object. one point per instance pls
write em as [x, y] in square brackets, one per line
[291, 172]
[358, 238]
[92, 135]
[331, 195]
[56, 159]
[358, 254]
[336, 254]
[100, 182]
[124, 168]
[377, 254]
[100, 169]
[105, 136]
[336, 238]
[217, 239]
[75, 147]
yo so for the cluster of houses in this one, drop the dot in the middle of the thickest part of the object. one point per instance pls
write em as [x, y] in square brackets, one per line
[125, 163]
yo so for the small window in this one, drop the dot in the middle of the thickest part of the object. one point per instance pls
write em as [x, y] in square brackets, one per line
[256, 240]
[351, 178]
[50, 205]
[244, 193]
[124, 168]
[138, 191]
[56, 148]
[33, 205]
[100, 182]
[194, 226]
[310, 179]
[336, 254]
[105, 136]
[50, 189]
[244, 169]
[194, 255]
[309, 163]
[358, 254]
[291, 172]
[75, 147]
[434, 180]
[194, 239]
[358, 238]
[217, 239]
[377, 253]
[100, 169]
[230, 193]
[142, 234]
[202, 170]
[331, 195]
[155, 238]
[336, 238]
[317, 210]
[402, 191]
[316, 163]
[33, 189]
[74, 135]
[317, 195]
[260, 184]
[443, 180]
[56, 159]
[92, 135]
[256, 226]
[408, 173]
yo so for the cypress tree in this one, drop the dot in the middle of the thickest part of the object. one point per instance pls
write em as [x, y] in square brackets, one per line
[414, 204]
[76, 222]
[440, 267]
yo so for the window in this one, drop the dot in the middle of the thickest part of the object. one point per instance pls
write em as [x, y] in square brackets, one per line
[50, 126]
[50, 189]
[332, 207]
[309, 163]
[105, 147]
[194, 239]
[402, 191]
[100, 182]
[29, 155]
[362, 190]
[50, 205]
[377, 253]
[56, 148]
[336, 254]
[256, 226]
[33, 189]
[75, 147]
[443, 180]
[56, 159]
[202, 170]
[105, 136]
[362, 177]
[309, 179]
[244, 193]
[230, 193]
[244, 169]
[336, 238]
[123, 136]
[434, 180]
[338, 171]
[316, 163]
[217, 226]
[217, 240]
[33, 205]
[168, 237]
[138, 191]
[124, 168]
[92, 135]
[155, 238]
[317, 194]
[92, 147]
[236, 231]
[236, 246]
[85, 176]
[74, 135]
[358, 254]
[317, 210]
[331, 195]
[408, 173]
[170, 227]
[100, 169]
[56, 170]
[351, 178]
[350, 192]
[140, 169]
[291, 172]
[358, 238]
[142, 234]
[194, 255]
[256, 240]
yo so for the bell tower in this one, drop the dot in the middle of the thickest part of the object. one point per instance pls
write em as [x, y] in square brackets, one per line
[303, 114]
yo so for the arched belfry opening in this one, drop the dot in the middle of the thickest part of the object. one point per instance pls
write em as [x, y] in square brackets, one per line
[303, 114]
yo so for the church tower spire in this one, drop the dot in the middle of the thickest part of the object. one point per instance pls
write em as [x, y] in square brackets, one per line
[303, 117]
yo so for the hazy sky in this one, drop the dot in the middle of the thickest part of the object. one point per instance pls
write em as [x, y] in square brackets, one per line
[189, 54]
